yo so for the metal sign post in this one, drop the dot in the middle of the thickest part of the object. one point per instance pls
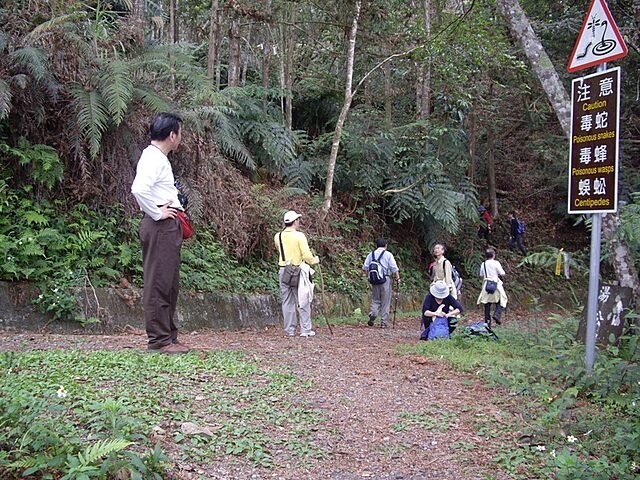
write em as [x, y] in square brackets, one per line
[594, 286]
[593, 171]
[595, 132]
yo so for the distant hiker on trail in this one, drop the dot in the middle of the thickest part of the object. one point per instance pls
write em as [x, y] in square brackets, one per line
[485, 218]
[161, 234]
[492, 292]
[293, 249]
[439, 303]
[442, 270]
[379, 265]
[516, 229]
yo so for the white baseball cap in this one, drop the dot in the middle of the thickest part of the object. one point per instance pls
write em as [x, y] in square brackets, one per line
[291, 216]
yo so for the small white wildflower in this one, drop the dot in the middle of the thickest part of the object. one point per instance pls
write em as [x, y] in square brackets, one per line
[55, 290]
[62, 392]
[541, 448]
[553, 453]
[571, 439]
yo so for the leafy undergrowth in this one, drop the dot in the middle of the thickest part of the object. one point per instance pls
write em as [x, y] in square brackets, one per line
[574, 425]
[74, 414]
[363, 400]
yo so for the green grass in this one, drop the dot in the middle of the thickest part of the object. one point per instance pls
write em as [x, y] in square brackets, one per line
[54, 404]
[78, 414]
[572, 425]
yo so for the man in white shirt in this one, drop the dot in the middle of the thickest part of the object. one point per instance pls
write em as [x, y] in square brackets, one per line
[160, 233]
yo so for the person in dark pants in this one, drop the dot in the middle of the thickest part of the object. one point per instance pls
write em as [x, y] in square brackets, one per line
[491, 269]
[160, 233]
[514, 234]
[484, 230]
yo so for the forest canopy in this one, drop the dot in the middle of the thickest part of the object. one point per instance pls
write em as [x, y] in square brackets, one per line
[445, 111]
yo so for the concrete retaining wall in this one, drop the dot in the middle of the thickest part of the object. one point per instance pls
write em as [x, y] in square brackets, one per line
[120, 309]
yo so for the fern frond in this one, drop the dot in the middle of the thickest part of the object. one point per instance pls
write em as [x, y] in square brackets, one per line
[101, 449]
[92, 116]
[117, 88]
[151, 99]
[299, 174]
[86, 238]
[4, 41]
[33, 60]
[5, 99]
[33, 64]
[31, 217]
[441, 203]
[49, 25]
[228, 136]
[25, 463]
[273, 138]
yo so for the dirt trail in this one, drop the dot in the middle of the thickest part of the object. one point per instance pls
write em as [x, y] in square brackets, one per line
[389, 416]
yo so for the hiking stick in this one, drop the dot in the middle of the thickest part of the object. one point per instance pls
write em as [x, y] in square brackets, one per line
[395, 307]
[324, 303]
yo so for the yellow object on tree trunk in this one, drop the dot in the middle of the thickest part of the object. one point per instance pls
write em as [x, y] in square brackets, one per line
[559, 262]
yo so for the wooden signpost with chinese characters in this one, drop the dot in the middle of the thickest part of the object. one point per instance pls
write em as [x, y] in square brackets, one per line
[593, 154]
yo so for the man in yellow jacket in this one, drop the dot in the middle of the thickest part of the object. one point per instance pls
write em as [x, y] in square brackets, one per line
[293, 248]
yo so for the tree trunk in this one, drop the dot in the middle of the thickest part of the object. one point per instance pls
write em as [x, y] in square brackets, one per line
[388, 93]
[424, 71]
[173, 29]
[138, 18]
[620, 256]
[233, 78]
[245, 65]
[266, 52]
[471, 129]
[540, 61]
[288, 66]
[348, 96]
[214, 29]
[491, 172]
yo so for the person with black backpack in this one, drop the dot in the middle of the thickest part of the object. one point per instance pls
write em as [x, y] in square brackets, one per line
[516, 230]
[379, 265]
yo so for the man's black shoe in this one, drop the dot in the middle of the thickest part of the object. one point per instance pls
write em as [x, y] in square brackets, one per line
[497, 320]
[372, 319]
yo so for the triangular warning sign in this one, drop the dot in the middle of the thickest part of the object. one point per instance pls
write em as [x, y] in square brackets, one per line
[599, 40]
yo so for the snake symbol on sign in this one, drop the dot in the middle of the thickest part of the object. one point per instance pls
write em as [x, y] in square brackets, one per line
[605, 45]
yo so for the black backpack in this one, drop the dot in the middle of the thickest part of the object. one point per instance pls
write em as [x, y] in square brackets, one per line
[376, 270]
[457, 279]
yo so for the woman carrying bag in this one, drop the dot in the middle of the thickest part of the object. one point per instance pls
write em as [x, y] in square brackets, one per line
[492, 288]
